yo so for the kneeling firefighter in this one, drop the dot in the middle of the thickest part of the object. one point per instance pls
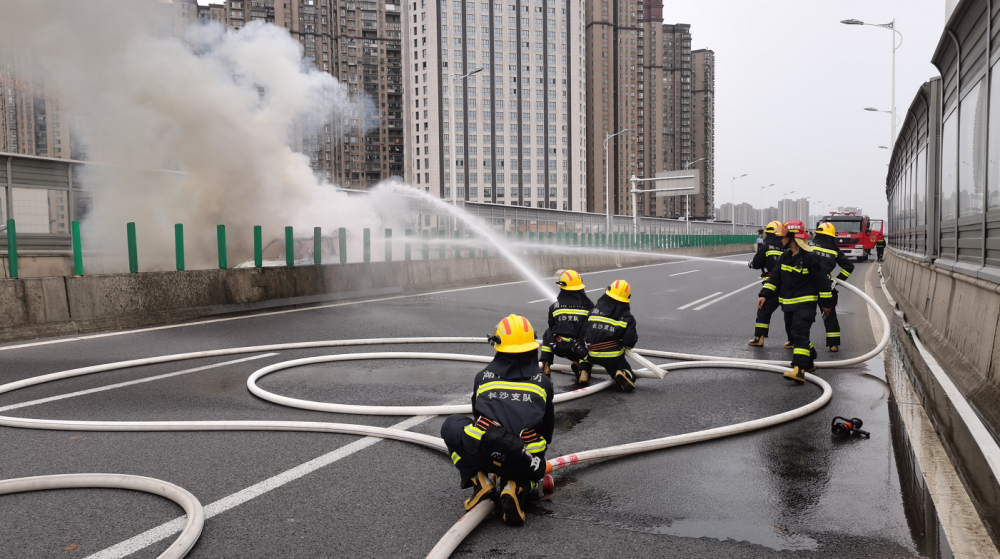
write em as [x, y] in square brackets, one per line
[610, 331]
[801, 283]
[567, 320]
[514, 420]
[766, 260]
[825, 248]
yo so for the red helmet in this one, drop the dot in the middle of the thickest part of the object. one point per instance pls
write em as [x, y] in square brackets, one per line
[797, 229]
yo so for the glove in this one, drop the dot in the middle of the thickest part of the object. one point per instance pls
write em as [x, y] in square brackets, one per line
[750, 264]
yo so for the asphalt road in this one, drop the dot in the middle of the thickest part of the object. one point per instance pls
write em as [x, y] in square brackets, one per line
[779, 492]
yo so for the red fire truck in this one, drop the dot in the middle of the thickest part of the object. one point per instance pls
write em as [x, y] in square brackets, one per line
[856, 234]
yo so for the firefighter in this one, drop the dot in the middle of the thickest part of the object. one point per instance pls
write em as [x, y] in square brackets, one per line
[610, 331]
[567, 319]
[825, 249]
[879, 248]
[801, 283]
[512, 425]
[766, 260]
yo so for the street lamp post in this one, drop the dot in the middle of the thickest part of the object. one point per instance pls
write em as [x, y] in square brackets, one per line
[451, 118]
[780, 213]
[761, 203]
[732, 192]
[891, 26]
[895, 120]
[607, 178]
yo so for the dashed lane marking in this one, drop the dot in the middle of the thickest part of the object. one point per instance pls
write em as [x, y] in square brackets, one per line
[731, 293]
[682, 273]
[698, 301]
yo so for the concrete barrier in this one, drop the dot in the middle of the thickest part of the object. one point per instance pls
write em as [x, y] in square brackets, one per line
[36, 307]
[957, 318]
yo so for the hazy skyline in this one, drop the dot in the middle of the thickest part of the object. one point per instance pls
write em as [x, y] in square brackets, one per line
[792, 83]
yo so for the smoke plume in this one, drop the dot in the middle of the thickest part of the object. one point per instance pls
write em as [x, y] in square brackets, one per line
[196, 129]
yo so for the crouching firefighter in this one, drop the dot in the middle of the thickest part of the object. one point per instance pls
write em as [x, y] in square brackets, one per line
[610, 331]
[801, 284]
[567, 320]
[514, 420]
[766, 260]
[825, 248]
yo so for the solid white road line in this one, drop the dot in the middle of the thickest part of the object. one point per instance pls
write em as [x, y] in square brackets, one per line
[698, 301]
[174, 526]
[714, 301]
[682, 273]
[130, 383]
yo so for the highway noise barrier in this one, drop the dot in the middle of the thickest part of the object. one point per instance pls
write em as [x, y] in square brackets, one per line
[454, 536]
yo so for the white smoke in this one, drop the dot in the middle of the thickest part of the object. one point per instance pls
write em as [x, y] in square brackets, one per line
[220, 109]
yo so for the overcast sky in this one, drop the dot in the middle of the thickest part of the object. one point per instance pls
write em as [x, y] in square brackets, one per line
[791, 86]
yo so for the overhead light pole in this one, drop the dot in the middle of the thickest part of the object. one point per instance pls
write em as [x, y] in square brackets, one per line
[761, 203]
[781, 213]
[732, 192]
[891, 26]
[607, 177]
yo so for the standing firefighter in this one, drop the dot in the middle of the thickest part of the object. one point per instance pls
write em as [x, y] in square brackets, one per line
[829, 256]
[514, 420]
[610, 331]
[801, 283]
[879, 248]
[766, 260]
[567, 321]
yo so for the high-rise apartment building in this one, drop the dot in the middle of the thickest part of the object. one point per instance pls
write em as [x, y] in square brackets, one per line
[643, 79]
[31, 122]
[359, 43]
[512, 132]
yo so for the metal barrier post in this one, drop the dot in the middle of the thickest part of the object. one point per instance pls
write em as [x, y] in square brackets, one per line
[220, 234]
[457, 247]
[12, 247]
[258, 247]
[133, 250]
[441, 247]
[426, 247]
[342, 241]
[407, 249]
[367, 251]
[289, 246]
[388, 245]
[317, 245]
[179, 246]
[77, 250]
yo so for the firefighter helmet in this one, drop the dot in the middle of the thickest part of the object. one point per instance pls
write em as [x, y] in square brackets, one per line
[514, 334]
[773, 227]
[620, 290]
[826, 228]
[796, 228]
[570, 280]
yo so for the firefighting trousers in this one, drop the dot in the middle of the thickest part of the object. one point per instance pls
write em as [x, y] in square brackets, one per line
[460, 436]
[557, 346]
[764, 313]
[797, 325]
[610, 364]
[831, 323]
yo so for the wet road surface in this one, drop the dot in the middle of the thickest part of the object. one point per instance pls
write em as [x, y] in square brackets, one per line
[779, 492]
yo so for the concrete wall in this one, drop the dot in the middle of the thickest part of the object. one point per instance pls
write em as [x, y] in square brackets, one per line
[34, 307]
[37, 266]
[957, 317]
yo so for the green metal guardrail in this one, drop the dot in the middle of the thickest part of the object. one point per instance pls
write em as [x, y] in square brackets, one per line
[533, 243]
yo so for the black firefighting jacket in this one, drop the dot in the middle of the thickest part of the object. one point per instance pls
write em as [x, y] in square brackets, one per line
[513, 391]
[768, 254]
[830, 256]
[568, 315]
[610, 328]
[799, 281]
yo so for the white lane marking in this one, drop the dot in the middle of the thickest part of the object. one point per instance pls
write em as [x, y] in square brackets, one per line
[174, 526]
[130, 383]
[682, 273]
[714, 301]
[698, 301]
[331, 305]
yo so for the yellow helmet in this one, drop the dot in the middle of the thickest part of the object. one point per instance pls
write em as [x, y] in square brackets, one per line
[514, 334]
[620, 290]
[772, 227]
[826, 228]
[570, 280]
